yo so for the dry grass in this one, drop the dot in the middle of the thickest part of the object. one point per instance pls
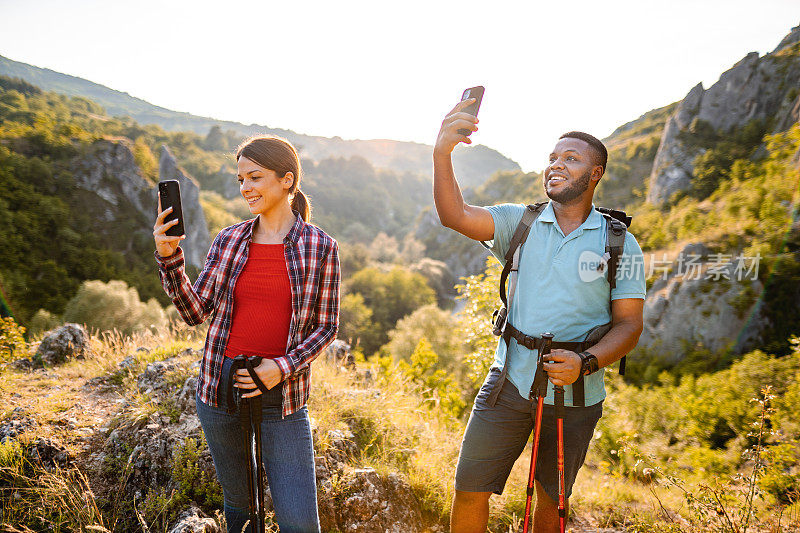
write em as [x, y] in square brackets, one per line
[395, 428]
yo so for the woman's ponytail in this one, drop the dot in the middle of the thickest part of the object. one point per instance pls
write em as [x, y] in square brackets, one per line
[302, 205]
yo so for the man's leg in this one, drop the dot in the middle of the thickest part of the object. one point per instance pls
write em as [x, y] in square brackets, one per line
[493, 440]
[545, 514]
[470, 512]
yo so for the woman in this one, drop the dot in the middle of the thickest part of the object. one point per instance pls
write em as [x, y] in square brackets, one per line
[271, 287]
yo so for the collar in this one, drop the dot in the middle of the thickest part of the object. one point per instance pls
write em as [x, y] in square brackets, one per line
[291, 237]
[593, 221]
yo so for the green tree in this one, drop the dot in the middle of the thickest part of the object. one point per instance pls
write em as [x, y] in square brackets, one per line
[355, 320]
[439, 328]
[391, 296]
[481, 297]
[437, 384]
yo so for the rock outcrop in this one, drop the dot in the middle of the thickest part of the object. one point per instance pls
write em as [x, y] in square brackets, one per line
[193, 520]
[195, 246]
[157, 457]
[689, 309]
[756, 88]
[110, 171]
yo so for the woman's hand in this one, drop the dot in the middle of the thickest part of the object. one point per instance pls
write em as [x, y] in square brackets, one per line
[165, 244]
[268, 372]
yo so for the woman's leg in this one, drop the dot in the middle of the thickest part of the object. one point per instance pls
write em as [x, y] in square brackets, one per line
[288, 454]
[226, 443]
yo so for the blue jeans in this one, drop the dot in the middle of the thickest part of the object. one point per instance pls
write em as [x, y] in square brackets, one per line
[287, 453]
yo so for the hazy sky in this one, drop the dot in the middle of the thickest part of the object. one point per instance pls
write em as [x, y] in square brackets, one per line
[380, 69]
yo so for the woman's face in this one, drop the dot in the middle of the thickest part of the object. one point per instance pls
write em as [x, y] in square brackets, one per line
[262, 189]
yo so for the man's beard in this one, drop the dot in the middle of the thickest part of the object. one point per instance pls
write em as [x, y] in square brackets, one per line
[570, 192]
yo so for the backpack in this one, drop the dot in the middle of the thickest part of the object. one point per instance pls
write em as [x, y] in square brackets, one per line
[617, 223]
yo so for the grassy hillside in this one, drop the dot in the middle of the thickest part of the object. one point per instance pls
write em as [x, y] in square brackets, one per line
[649, 469]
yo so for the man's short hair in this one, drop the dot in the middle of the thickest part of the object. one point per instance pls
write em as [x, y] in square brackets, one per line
[594, 142]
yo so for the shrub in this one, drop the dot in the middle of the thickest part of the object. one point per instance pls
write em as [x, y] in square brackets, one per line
[43, 321]
[113, 305]
[11, 339]
[438, 327]
[437, 384]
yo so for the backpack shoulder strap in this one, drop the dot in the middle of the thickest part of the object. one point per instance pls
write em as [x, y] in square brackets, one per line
[615, 245]
[617, 223]
[530, 215]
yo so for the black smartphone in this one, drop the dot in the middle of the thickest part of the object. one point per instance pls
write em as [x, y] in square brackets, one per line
[169, 192]
[472, 109]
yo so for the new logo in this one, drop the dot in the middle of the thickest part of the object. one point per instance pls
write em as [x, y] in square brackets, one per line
[591, 266]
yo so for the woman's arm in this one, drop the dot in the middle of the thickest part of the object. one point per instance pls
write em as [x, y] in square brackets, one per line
[326, 314]
[194, 303]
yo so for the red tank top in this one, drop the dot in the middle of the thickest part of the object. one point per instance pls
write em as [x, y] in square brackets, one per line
[262, 304]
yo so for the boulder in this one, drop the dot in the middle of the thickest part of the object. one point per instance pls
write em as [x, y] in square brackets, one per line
[378, 504]
[48, 454]
[67, 342]
[339, 354]
[193, 520]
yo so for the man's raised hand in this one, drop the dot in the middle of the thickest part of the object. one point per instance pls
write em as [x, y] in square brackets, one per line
[455, 120]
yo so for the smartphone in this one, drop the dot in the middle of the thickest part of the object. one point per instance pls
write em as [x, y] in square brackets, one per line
[472, 109]
[169, 192]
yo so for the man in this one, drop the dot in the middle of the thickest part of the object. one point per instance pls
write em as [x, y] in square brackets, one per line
[551, 296]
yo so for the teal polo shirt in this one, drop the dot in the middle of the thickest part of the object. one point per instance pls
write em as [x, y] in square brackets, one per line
[559, 289]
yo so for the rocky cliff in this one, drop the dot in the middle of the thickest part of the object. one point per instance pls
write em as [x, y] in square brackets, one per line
[691, 307]
[110, 171]
[755, 89]
[123, 201]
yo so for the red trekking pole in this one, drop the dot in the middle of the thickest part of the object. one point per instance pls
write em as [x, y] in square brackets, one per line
[538, 391]
[558, 396]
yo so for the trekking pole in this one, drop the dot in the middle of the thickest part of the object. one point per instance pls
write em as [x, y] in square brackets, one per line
[538, 391]
[250, 422]
[558, 396]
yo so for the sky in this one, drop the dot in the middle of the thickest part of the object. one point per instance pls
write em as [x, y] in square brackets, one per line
[378, 69]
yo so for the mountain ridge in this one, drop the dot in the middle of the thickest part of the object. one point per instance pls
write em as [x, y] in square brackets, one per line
[474, 164]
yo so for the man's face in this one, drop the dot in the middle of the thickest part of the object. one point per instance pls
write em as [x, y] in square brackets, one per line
[570, 170]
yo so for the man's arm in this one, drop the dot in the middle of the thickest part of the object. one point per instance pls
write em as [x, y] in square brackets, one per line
[469, 220]
[563, 366]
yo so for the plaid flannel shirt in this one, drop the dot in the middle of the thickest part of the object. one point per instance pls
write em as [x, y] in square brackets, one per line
[312, 260]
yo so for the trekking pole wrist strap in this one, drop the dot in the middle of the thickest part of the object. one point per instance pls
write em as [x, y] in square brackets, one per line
[253, 375]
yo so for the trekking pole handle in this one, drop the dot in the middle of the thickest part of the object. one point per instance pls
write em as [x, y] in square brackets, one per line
[547, 343]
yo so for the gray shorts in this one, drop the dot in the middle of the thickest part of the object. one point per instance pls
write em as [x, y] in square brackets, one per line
[496, 435]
